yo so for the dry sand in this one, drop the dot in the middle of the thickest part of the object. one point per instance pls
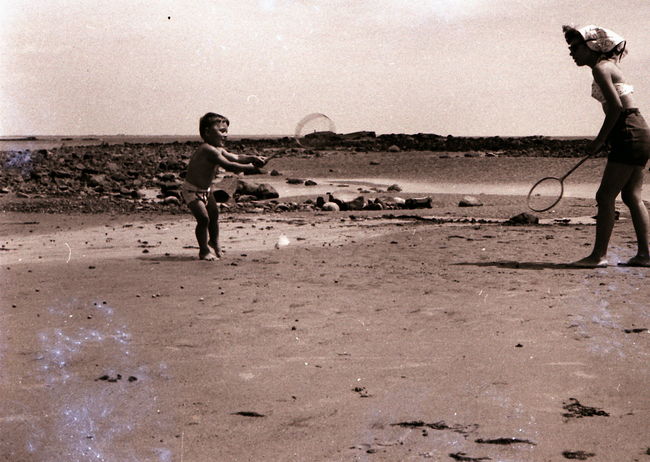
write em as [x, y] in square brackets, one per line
[368, 337]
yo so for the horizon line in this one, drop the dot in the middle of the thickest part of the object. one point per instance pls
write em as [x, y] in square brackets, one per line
[272, 135]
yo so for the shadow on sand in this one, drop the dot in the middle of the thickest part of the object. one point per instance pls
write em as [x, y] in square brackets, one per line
[168, 258]
[527, 265]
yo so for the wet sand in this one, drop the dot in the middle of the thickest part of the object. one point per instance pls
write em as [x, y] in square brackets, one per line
[370, 336]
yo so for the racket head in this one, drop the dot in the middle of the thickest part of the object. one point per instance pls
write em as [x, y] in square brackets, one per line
[545, 194]
[315, 130]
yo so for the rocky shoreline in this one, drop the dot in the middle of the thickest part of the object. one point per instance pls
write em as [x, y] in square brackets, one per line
[117, 177]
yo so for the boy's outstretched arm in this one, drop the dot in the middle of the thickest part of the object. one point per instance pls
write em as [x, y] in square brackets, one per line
[257, 161]
[236, 163]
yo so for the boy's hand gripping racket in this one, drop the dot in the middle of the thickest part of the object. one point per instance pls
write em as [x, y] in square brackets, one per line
[547, 192]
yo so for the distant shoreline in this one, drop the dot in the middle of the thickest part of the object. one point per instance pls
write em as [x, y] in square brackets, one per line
[30, 142]
[358, 140]
[239, 137]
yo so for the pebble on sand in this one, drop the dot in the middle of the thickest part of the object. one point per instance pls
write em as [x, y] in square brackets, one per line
[331, 207]
[470, 201]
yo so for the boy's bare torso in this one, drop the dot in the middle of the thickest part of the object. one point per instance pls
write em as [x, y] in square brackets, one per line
[203, 166]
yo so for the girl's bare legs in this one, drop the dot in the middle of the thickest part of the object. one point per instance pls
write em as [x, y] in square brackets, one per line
[631, 196]
[615, 178]
[213, 227]
[202, 217]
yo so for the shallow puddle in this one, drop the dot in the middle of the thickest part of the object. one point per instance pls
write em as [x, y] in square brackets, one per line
[348, 189]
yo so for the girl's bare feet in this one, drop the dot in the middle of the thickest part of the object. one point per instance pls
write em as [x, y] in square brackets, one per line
[590, 262]
[638, 260]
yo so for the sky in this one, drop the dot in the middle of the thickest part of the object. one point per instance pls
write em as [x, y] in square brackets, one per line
[459, 67]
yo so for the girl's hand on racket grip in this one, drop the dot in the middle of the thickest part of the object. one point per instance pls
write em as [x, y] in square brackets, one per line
[595, 146]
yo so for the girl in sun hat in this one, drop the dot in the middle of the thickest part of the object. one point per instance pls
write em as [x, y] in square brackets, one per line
[626, 133]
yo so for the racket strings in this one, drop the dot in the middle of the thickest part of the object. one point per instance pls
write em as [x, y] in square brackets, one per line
[545, 194]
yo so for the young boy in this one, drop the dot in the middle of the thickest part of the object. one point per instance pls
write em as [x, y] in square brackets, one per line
[201, 170]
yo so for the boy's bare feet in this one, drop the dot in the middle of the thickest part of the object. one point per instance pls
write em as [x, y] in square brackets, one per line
[590, 262]
[209, 256]
[637, 260]
[217, 249]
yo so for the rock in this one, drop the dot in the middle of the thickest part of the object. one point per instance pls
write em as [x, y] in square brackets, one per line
[331, 207]
[224, 189]
[418, 203]
[274, 172]
[243, 188]
[295, 181]
[282, 208]
[168, 177]
[266, 191]
[358, 203]
[95, 180]
[362, 135]
[395, 187]
[523, 219]
[377, 204]
[470, 201]
[171, 200]
[165, 194]
[472, 154]
[60, 174]
[310, 183]
[342, 205]
[169, 186]
[394, 148]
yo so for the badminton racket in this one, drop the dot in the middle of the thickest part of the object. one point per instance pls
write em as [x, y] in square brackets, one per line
[315, 130]
[547, 192]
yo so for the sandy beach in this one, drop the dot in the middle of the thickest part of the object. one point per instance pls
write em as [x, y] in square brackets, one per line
[393, 335]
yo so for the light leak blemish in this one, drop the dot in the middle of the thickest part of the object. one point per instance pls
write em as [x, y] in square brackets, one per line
[90, 416]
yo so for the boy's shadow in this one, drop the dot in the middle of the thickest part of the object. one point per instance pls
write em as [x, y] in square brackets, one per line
[167, 258]
[527, 265]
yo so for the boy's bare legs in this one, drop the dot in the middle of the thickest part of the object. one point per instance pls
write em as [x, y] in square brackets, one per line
[202, 217]
[631, 196]
[615, 177]
[213, 227]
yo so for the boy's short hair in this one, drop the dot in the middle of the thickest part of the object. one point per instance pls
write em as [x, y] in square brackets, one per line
[209, 119]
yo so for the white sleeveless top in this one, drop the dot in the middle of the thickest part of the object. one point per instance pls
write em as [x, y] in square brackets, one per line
[621, 88]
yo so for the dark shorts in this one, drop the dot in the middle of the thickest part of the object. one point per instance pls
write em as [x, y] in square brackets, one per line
[630, 139]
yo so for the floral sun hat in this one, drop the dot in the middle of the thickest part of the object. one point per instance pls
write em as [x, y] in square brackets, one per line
[600, 39]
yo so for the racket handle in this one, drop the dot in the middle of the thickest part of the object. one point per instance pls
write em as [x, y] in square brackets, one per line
[582, 161]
